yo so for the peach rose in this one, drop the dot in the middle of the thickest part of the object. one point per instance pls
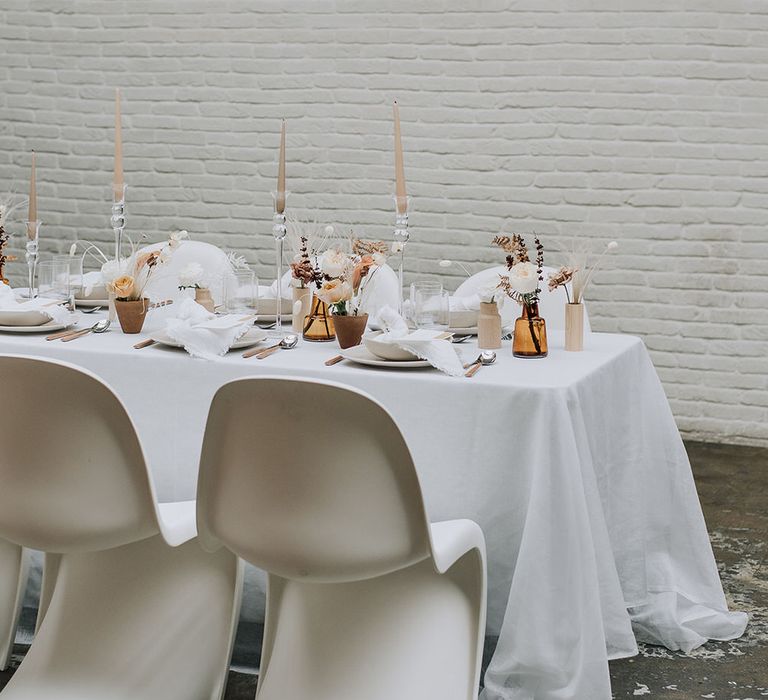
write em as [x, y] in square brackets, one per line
[122, 287]
[335, 291]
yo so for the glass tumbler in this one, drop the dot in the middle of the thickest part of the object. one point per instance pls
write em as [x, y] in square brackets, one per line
[242, 293]
[54, 280]
[429, 305]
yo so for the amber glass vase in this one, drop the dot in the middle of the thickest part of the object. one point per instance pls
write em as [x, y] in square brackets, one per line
[318, 326]
[530, 339]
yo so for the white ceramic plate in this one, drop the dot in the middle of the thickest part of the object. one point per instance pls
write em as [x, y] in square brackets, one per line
[44, 328]
[253, 337]
[90, 303]
[362, 356]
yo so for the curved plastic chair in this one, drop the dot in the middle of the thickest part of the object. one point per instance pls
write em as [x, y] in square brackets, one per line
[365, 599]
[14, 568]
[551, 304]
[164, 283]
[138, 609]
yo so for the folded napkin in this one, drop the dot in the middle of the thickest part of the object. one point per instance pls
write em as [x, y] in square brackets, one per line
[271, 291]
[89, 281]
[423, 343]
[49, 307]
[204, 334]
[378, 289]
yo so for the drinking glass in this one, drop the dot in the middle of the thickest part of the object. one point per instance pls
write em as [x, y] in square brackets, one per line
[429, 305]
[74, 264]
[242, 293]
[53, 280]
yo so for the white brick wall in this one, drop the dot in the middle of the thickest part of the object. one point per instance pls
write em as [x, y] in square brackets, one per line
[642, 120]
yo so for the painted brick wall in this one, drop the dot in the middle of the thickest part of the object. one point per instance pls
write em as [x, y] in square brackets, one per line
[643, 120]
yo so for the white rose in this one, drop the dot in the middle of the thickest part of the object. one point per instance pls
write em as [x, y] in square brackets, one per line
[524, 278]
[379, 259]
[191, 275]
[112, 269]
[334, 263]
[491, 293]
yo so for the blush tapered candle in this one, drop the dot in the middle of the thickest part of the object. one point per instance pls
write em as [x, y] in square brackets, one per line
[118, 181]
[32, 199]
[401, 197]
[280, 199]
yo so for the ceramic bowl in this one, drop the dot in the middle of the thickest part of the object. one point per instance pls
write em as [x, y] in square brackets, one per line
[386, 351]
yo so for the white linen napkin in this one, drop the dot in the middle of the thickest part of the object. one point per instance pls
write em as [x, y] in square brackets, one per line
[89, 281]
[49, 307]
[423, 343]
[204, 334]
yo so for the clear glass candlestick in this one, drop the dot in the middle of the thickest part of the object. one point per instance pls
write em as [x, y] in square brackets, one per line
[400, 239]
[32, 254]
[118, 217]
[279, 232]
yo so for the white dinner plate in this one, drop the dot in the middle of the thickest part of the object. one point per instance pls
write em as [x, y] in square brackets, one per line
[90, 303]
[253, 337]
[44, 328]
[362, 356]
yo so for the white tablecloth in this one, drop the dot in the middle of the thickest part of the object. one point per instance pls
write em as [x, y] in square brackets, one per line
[571, 464]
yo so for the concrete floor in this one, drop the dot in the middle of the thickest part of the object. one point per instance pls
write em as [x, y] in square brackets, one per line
[733, 487]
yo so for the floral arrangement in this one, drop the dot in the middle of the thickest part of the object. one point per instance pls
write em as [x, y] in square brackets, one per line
[134, 273]
[522, 283]
[192, 277]
[306, 238]
[339, 277]
[578, 272]
[6, 208]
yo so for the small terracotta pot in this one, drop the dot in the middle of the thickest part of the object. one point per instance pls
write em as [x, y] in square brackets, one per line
[131, 314]
[350, 329]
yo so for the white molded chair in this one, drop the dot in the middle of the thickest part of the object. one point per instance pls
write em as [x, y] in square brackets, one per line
[14, 568]
[164, 283]
[314, 483]
[551, 304]
[138, 609]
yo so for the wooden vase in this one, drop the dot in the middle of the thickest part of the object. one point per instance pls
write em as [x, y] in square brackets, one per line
[131, 314]
[204, 298]
[489, 326]
[302, 306]
[530, 339]
[350, 329]
[574, 327]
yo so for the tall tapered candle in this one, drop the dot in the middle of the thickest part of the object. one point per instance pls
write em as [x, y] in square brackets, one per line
[280, 199]
[31, 231]
[400, 196]
[117, 181]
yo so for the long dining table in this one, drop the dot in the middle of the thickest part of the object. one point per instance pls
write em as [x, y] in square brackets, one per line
[572, 465]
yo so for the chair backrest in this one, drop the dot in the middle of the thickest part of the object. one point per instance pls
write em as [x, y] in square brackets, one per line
[551, 304]
[72, 471]
[309, 480]
[164, 283]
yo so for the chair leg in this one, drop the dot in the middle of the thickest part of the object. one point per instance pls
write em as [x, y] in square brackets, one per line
[50, 573]
[14, 568]
[140, 621]
[410, 635]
